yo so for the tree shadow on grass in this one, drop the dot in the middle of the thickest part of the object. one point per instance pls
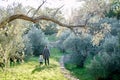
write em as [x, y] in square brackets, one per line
[39, 68]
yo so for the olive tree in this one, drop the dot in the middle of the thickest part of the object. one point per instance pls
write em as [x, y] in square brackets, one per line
[61, 38]
[105, 65]
[79, 47]
[35, 41]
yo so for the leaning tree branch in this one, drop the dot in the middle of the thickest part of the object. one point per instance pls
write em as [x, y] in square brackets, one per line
[39, 7]
[13, 17]
[29, 11]
[35, 20]
[54, 14]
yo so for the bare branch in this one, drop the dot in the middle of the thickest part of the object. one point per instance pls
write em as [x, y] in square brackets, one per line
[54, 14]
[35, 20]
[29, 11]
[56, 21]
[39, 8]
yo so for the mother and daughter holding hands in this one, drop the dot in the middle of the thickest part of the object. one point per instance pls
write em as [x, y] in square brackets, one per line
[44, 56]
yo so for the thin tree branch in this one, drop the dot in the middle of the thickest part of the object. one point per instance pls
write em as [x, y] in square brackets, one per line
[35, 20]
[39, 8]
[54, 14]
[29, 11]
[88, 17]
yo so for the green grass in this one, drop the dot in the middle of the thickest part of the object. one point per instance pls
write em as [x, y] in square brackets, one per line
[80, 73]
[31, 70]
[52, 37]
[55, 54]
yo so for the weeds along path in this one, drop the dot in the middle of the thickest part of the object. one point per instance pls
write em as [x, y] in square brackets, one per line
[66, 73]
[32, 71]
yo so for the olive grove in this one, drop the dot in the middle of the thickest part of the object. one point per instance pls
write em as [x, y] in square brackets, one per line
[92, 31]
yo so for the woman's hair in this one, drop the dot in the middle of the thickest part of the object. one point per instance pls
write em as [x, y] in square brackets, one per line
[46, 46]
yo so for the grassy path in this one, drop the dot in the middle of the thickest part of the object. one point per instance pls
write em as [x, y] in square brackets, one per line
[32, 71]
[66, 73]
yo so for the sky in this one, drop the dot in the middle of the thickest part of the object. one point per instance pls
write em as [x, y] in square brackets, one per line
[68, 4]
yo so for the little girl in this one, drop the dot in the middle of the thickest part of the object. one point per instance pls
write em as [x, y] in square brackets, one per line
[41, 59]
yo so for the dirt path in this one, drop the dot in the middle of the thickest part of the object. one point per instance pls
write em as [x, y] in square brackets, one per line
[65, 71]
